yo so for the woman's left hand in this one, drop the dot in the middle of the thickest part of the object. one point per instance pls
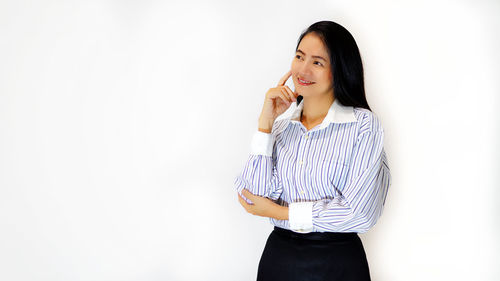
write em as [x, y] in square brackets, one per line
[263, 206]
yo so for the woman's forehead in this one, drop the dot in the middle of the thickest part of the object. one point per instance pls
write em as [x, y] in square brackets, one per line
[312, 45]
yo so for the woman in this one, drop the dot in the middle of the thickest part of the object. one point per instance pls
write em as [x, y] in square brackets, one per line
[320, 174]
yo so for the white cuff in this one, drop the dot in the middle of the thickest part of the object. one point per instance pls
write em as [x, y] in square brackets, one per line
[262, 144]
[300, 216]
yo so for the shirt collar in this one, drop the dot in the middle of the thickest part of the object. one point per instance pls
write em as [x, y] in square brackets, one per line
[337, 113]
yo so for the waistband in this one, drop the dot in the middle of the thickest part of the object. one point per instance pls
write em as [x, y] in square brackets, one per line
[325, 236]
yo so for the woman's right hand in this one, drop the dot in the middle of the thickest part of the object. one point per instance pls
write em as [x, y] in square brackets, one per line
[277, 101]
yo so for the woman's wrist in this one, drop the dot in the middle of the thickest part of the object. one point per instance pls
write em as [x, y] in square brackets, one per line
[281, 213]
[265, 126]
[264, 130]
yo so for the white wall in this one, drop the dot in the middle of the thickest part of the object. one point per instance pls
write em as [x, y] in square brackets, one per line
[124, 123]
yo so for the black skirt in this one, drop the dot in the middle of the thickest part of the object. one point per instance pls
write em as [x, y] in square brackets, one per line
[314, 256]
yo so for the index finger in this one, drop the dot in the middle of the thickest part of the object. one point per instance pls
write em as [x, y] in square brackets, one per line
[284, 78]
[242, 201]
[247, 193]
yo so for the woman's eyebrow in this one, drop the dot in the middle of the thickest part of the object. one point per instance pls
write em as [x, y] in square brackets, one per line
[318, 57]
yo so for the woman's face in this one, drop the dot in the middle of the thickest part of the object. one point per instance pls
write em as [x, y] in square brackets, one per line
[312, 64]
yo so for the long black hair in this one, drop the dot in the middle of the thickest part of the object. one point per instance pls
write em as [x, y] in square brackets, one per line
[345, 63]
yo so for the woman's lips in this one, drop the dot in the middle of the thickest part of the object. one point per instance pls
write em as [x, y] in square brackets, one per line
[304, 82]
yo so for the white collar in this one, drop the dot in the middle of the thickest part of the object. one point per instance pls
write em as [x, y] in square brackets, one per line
[337, 113]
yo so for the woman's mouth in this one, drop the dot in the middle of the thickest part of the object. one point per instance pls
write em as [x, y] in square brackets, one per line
[304, 82]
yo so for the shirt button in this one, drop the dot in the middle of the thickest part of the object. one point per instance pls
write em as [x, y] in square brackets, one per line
[306, 136]
[302, 192]
[300, 162]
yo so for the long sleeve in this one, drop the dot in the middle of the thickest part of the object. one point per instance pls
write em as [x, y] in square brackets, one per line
[259, 175]
[360, 203]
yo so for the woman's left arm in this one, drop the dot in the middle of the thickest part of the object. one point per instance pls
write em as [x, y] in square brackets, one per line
[360, 202]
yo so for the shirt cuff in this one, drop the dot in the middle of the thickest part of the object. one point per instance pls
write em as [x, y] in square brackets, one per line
[300, 216]
[262, 144]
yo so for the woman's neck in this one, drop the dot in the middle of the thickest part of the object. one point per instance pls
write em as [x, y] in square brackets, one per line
[315, 109]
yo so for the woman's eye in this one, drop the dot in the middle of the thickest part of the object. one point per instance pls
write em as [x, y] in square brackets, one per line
[319, 63]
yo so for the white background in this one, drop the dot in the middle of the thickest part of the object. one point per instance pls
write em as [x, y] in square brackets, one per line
[124, 123]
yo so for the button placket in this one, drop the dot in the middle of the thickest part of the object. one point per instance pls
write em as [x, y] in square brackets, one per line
[302, 152]
[306, 137]
[301, 160]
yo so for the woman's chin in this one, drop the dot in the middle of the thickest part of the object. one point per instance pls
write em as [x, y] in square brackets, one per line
[303, 93]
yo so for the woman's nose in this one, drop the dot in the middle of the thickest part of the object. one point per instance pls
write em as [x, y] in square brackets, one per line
[304, 70]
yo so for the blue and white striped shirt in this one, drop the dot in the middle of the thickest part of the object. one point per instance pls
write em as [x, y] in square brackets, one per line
[334, 177]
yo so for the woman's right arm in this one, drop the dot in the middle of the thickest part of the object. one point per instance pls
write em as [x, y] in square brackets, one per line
[259, 174]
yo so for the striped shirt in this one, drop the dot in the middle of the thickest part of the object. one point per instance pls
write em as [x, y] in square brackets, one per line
[334, 177]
